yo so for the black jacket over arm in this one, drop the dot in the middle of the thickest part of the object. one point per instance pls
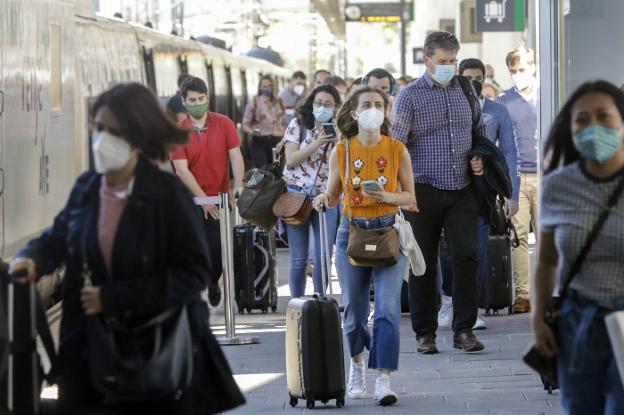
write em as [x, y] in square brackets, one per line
[160, 260]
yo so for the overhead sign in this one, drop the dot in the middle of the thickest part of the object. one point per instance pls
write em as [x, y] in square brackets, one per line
[370, 12]
[500, 15]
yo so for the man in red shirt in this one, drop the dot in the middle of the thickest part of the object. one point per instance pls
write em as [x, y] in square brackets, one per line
[203, 165]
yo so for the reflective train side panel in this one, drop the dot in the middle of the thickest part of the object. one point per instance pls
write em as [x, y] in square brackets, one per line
[56, 56]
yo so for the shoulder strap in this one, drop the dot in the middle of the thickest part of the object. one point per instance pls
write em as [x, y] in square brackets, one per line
[347, 170]
[318, 170]
[468, 91]
[576, 266]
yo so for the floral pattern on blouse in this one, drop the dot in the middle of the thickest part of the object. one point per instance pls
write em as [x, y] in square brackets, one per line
[303, 174]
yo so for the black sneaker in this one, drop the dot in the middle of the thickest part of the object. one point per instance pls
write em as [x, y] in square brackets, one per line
[214, 295]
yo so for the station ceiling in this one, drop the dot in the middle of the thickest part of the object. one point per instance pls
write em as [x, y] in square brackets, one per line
[332, 12]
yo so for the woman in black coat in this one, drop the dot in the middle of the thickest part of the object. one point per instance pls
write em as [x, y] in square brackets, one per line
[145, 250]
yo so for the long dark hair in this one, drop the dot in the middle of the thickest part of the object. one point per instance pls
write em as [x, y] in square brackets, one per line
[559, 149]
[305, 112]
[347, 125]
[143, 122]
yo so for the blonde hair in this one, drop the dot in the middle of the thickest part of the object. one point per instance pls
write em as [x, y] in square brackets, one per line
[514, 55]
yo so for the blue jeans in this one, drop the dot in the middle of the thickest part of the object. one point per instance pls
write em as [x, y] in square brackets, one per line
[588, 374]
[355, 284]
[446, 265]
[299, 241]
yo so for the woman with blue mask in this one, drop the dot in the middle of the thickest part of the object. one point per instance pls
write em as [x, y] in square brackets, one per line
[582, 196]
[264, 123]
[307, 150]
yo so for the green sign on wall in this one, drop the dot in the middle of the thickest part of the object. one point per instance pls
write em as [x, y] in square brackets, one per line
[500, 15]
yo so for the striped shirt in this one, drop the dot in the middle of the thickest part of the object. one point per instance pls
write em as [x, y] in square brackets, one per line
[572, 200]
[435, 124]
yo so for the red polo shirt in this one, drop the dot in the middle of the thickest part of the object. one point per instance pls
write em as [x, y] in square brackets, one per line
[207, 152]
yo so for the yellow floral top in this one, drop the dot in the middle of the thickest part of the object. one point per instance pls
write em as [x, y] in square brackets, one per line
[381, 163]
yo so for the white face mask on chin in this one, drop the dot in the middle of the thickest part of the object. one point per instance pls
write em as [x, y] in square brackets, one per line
[110, 153]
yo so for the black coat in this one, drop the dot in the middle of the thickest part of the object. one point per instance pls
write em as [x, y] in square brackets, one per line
[160, 260]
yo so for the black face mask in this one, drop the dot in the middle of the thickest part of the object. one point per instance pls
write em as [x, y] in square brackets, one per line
[478, 86]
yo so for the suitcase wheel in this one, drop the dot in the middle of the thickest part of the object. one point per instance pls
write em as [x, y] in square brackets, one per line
[510, 310]
[265, 310]
[310, 404]
[340, 402]
[495, 312]
[274, 308]
[487, 311]
[293, 401]
[241, 311]
[248, 310]
[324, 401]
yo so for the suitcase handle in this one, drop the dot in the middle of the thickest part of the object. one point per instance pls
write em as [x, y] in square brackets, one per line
[324, 250]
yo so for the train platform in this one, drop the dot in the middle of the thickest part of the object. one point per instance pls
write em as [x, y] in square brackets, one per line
[494, 381]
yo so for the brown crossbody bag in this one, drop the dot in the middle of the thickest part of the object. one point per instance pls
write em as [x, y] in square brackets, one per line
[369, 248]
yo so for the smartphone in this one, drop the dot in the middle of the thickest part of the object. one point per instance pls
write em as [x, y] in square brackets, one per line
[330, 130]
[372, 186]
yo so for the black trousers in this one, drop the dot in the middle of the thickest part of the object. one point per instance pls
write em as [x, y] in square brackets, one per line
[456, 211]
[261, 150]
[212, 228]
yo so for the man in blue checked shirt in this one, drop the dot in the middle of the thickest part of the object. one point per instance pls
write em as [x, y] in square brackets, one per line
[501, 130]
[433, 118]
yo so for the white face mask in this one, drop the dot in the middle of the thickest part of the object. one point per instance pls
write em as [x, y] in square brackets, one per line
[522, 80]
[110, 153]
[298, 89]
[371, 119]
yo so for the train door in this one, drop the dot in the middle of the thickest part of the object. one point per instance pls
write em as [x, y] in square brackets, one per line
[2, 116]
[212, 95]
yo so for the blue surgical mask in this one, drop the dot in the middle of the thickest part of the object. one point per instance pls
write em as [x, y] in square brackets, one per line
[444, 73]
[267, 92]
[322, 114]
[598, 143]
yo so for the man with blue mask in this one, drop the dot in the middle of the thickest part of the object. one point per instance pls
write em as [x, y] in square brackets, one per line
[521, 102]
[433, 117]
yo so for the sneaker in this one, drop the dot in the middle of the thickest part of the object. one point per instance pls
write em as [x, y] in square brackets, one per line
[371, 315]
[445, 315]
[214, 295]
[356, 388]
[383, 394]
[480, 324]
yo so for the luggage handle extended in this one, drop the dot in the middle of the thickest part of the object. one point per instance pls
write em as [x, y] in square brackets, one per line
[325, 260]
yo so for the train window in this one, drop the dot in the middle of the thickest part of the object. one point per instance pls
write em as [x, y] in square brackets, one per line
[212, 96]
[56, 81]
[231, 101]
[243, 77]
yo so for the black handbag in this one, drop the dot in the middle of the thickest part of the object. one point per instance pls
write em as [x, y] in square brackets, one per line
[547, 367]
[142, 361]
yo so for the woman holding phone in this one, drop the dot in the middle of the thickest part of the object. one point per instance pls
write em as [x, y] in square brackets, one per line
[307, 149]
[373, 157]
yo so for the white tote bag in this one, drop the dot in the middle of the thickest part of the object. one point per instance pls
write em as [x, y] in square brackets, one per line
[409, 246]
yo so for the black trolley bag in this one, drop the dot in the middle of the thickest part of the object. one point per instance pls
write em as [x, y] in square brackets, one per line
[23, 319]
[314, 354]
[254, 269]
[496, 286]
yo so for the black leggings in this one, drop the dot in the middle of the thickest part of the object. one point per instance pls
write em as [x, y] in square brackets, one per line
[261, 149]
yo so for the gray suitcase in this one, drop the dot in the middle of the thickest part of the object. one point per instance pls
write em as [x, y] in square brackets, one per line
[314, 353]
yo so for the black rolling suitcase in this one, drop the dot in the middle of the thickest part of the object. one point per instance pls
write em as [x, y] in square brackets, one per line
[314, 354]
[496, 288]
[24, 319]
[254, 269]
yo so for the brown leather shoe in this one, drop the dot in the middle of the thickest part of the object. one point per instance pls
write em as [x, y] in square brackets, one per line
[426, 344]
[521, 305]
[468, 342]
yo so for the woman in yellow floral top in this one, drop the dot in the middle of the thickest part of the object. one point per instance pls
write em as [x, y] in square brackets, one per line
[373, 155]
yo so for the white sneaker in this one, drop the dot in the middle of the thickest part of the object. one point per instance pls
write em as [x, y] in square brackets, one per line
[356, 388]
[481, 323]
[383, 394]
[371, 315]
[445, 315]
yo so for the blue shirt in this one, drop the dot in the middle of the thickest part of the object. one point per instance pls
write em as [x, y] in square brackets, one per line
[435, 124]
[524, 116]
[500, 130]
